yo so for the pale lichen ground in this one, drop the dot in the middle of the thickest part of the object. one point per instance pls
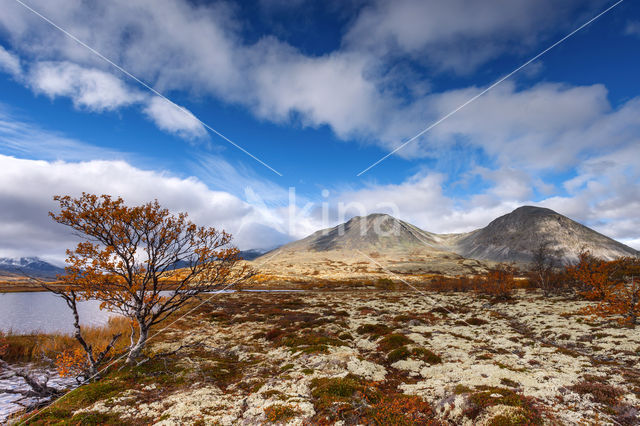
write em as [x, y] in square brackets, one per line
[253, 351]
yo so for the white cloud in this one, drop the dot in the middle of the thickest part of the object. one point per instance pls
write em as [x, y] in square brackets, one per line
[457, 34]
[173, 119]
[547, 126]
[175, 45]
[29, 185]
[9, 62]
[95, 90]
[89, 89]
[608, 203]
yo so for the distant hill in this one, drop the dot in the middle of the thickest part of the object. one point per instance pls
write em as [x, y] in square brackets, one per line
[510, 238]
[382, 244]
[368, 246]
[29, 267]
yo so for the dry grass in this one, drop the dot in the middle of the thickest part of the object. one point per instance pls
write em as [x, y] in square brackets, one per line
[36, 348]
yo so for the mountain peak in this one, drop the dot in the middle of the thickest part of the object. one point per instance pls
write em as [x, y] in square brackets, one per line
[514, 237]
[371, 216]
[32, 266]
[533, 210]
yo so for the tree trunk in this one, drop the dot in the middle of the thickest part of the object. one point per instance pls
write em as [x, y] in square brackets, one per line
[134, 351]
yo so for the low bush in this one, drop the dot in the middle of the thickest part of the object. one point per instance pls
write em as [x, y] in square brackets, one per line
[373, 329]
[600, 392]
[419, 353]
[498, 283]
[489, 396]
[393, 341]
[385, 284]
[461, 283]
[279, 413]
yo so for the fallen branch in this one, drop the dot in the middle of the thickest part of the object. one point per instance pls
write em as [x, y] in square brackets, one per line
[38, 388]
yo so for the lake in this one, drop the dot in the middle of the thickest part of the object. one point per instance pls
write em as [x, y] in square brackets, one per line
[29, 312]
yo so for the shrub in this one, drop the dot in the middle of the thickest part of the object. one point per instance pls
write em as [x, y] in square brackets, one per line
[347, 391]
[385, 284]
[420, 353]
[545, 272]
[309, 342]
[485, 397]
[373, 329]
[279, 413]
[393, 341]
[399, 409]
[601, 392]
[398, 354]
[498, 283]
[426, 355]
[461, 283]
[476, 321]
[614, 285]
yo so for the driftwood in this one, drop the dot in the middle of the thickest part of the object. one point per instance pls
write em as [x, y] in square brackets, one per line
[39, 389]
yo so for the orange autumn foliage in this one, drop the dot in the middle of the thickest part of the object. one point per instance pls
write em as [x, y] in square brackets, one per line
[592, 276]
[130, 258]
[615, 285]
[498, 283]
[71, 362]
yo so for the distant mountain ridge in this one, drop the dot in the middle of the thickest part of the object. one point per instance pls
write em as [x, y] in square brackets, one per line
[38, 268]
[364, 248]
[402, 246]
[29, 266]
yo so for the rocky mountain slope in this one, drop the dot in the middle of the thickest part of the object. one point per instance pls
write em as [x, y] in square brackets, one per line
[379, 244]
[510, 238]
[375, 246]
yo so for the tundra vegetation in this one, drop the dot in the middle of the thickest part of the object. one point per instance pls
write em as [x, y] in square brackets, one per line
[380, 357]
[554, 344]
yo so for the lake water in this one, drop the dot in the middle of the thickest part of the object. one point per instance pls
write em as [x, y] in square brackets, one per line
[29, 312]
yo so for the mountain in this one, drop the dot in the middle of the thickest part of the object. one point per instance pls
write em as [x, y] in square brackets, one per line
[252, 253]
[377, 245]
[29, 267]
[510, 238]
[374, 232]
[381, 245]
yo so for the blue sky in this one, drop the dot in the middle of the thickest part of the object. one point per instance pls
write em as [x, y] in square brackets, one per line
[319, 91]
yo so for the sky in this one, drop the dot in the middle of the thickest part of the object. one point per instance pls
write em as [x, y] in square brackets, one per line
[265, 117]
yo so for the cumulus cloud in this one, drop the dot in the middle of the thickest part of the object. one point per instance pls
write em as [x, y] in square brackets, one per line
[90, 89]
[606, 202]
[181, 46]
[95, 90]
[522, 127]
[176, 45]
[29, 185]
[173, 119]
